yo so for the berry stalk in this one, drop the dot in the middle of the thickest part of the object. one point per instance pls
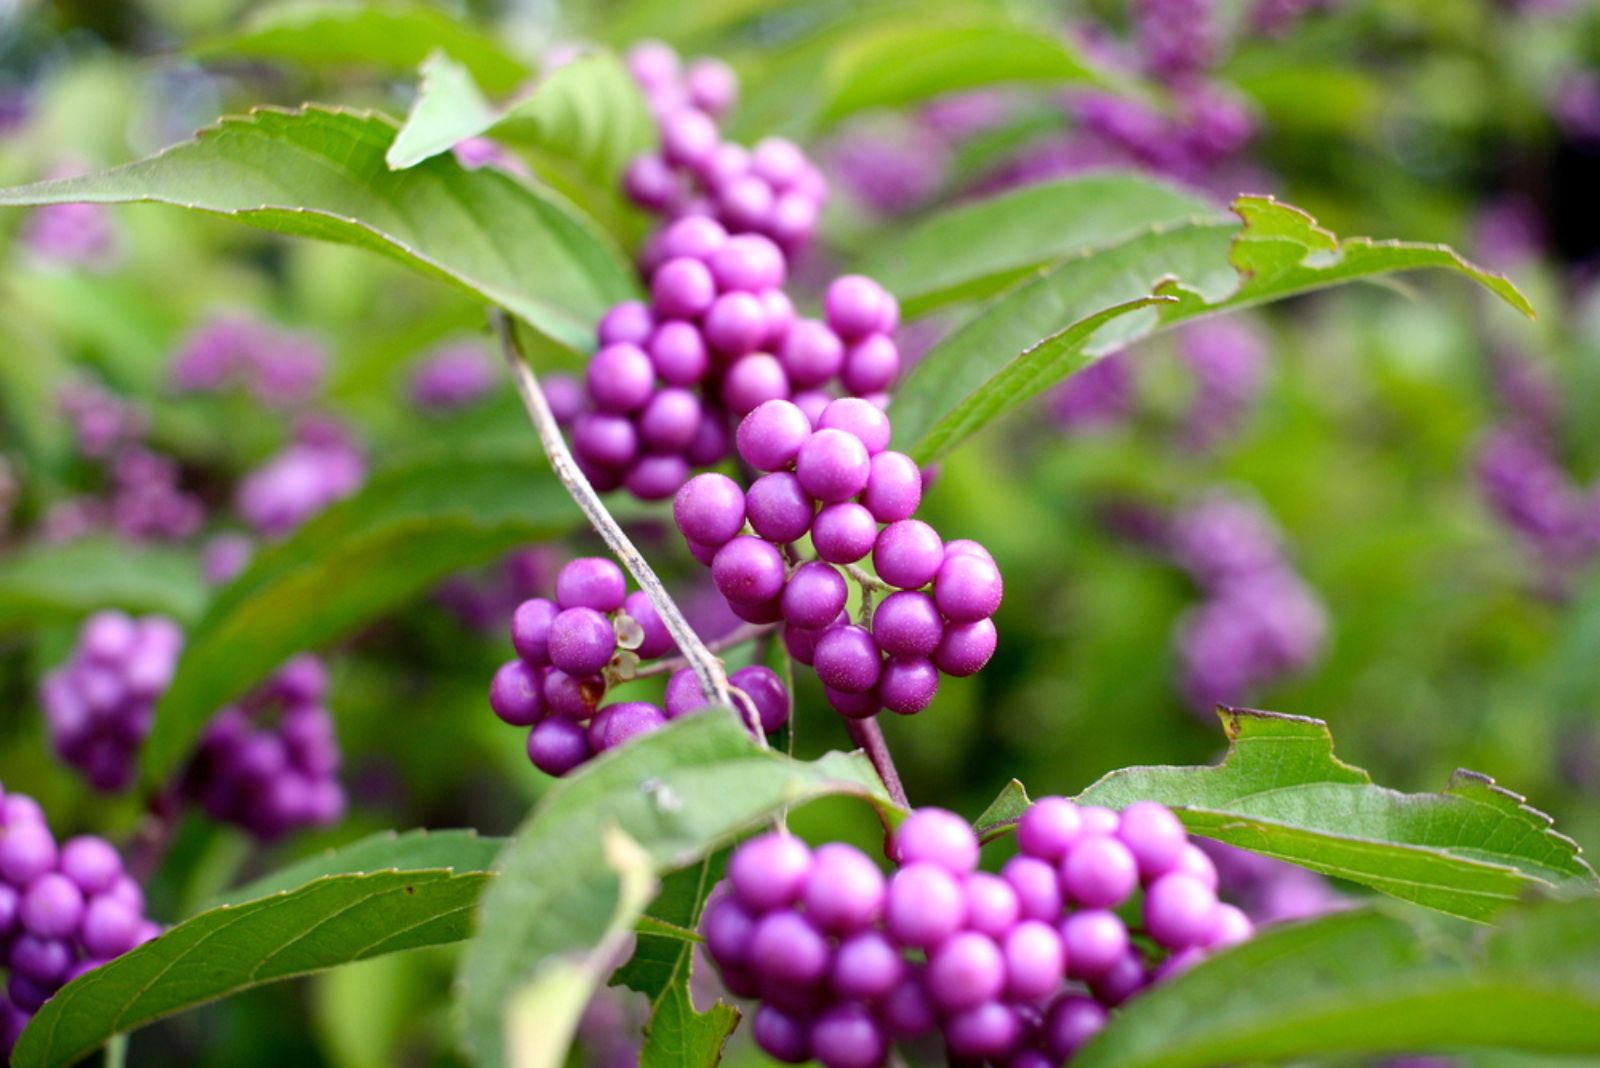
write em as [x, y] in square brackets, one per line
[707, 668]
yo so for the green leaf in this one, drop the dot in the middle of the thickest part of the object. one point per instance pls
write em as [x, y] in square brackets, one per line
[325, 923]
[319, 172]
[680, 792]
[975, 250]
[363, 557]
[461, 850]
[907, 62]
[543, 1015]
[447, 110]
[1470, 850]
[993, 362]
[393, 36]
[1003, 812]
[1372, 981]
[660, 969]
[62, 583]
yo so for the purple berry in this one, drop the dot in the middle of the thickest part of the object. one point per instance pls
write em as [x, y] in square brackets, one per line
[811, 353]
[688, 137]
[770, 437]
[1071, 1022]
[736, 323]
[752, 381]
[572, 697]
[745, 202]
[924, 906]
[623, 723]
[627, 323]
[1179, 911]
[1154, 836]
[967, 588]
[843, 533]
[870, 365]
[852, 705]
[844, 891]
[655, 478]
[769, 872]
[670, 420]
[965, 970]
[1048, 828]
[657, 640]
[1193, 861]
[1037, 886]
[906, 687]
[516, 694]
[582, 641]
[620, 378]
[44, 960]
[1035, 961]
[907, 554]
[988, 1031]
[1121, 981]
[712, 85]
[761, 613]
[867, 966]
[908, 1011]
[683, 288]
[92, 863]
[1099, 872]
[727, 928]
[1229, 927]
[907, 624]
[856, 416]
[778, 508]
[605, 440]
[786, 948]
[591, 582]
[762, 685]
[848, 660]
[855, 306]
[556, 746]
[894, 487]
[783, 1037]
[749, 262]
[1095, 941]
[651, 183]
[846, 1036]
[530, 630]
[51, 906]
[109, 927]
[748, 571]
[683, 694]
[814, 595]
[938, 837]
[709, 509]
[26, 850]
[992, 906]
[678, 353]
[966, 648]
[695, 236]
[833, 465]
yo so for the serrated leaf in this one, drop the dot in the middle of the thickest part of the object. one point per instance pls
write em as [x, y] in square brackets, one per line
[62, 583]
[328, 922]
[448, 109]
[393, 36]
[544, 1014]
[905, 63]
[457, 850]
[1372, 981]
[1469, 850]
[319, 172]
[365, 556]
[660, 969]
[680, 792]
[1003, 812]
[975, 250]
[976, 374]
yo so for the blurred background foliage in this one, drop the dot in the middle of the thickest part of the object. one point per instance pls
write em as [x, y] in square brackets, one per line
[1448, 643]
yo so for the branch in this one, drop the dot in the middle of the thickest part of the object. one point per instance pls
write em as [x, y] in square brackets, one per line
[869, 737]
[744, 632]
[707, 668]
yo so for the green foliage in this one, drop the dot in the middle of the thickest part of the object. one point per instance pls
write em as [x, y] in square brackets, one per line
[320, 172]
[62, 583]
[402, 533]
[330, 920]
[392, 37]
[1373, 981]
[1469, 850]
[993, 362]
[680, 792]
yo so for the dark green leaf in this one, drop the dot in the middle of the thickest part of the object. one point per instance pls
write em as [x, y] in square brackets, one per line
[680, 792]
[905, 63]
[1003, 812]
[323, 924]
[977, 374]
[365, 556]
[319, 172]
[1372, 981]
[975, 250]
[1470, 850]
[393, 36]
[62, 583]
[457, 850]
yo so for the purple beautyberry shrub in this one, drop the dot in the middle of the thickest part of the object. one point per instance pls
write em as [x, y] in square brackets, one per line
[832, 480]
[99, 703]
[270, 762]
[65, 909]
[1020, 967]
[570, 649]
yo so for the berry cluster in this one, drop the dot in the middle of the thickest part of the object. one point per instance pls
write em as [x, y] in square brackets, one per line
[279, 368]
[451, 378]
[1259, 620]
[1015, 968]
[80, 235]
[99, 703]
[831, 477]
[63, 910]
[312, 472]
[771, 189]
[272, 777]
[1269, 890]
[570, 650]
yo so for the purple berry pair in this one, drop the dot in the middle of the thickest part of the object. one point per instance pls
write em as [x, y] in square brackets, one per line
[1019, 968]
[834, 481]
[270, 762]
[64, 909]
[98, 705]
[570, 650]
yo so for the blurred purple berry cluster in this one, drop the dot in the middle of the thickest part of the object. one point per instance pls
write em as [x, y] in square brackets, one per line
[320, 466]
[279, 368]
[570, 650]
[270, 762]
[1019, 968]
[1259, 621]
[452, 377]
[64, 910]
[1269, 890]
[78, 235]
[98, 705]
[830, 477]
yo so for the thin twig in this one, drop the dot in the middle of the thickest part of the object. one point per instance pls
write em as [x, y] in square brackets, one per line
[707, 668]
[744, 632]
[869, 737]
[866, 579]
